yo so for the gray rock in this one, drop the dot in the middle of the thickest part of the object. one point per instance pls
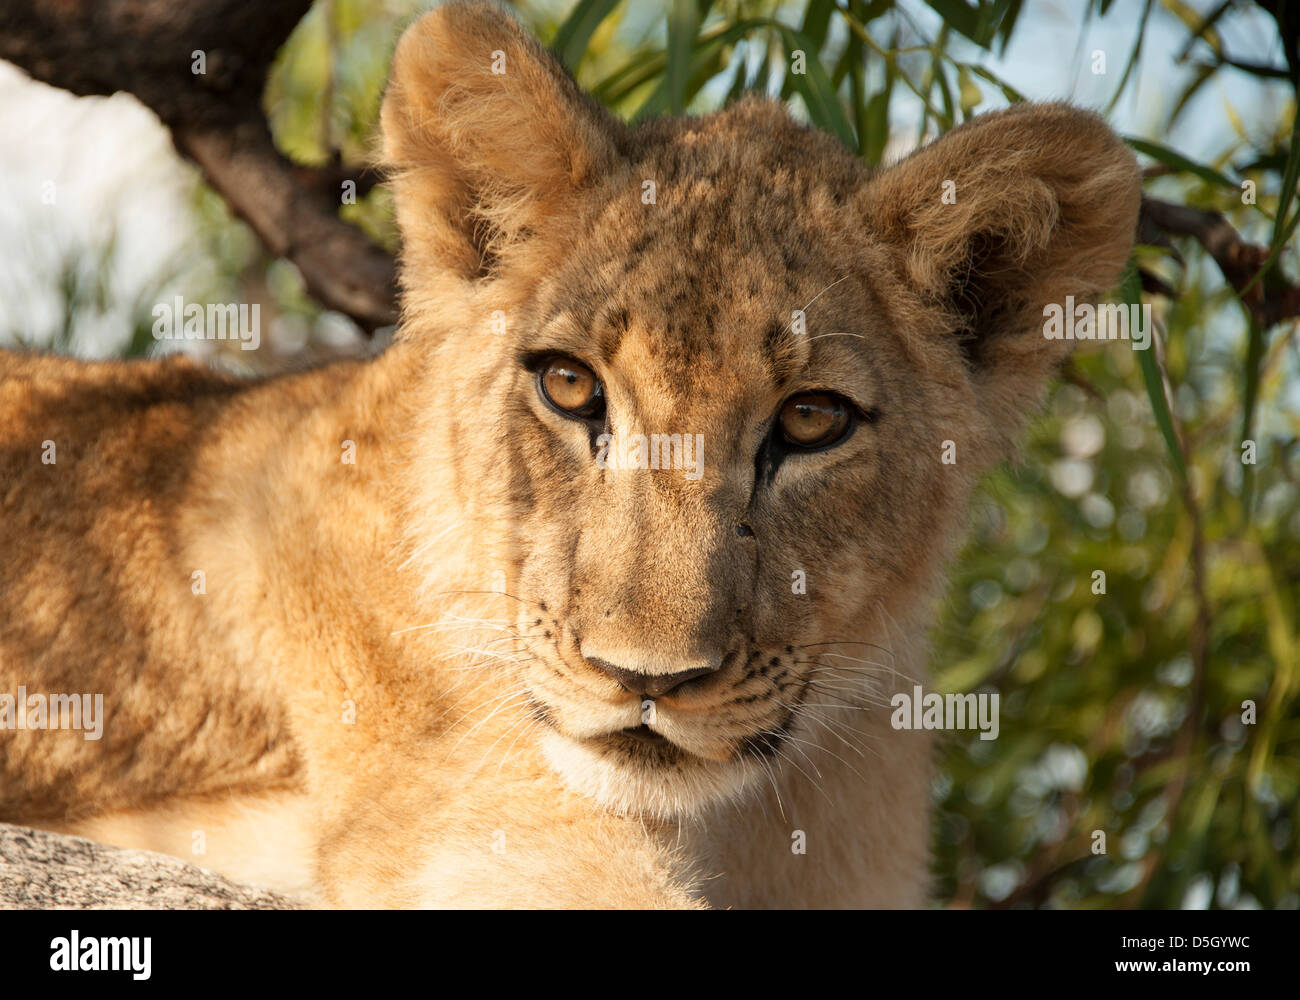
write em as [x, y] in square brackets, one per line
[43, 871]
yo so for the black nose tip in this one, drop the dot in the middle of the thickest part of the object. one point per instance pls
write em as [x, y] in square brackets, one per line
[648, 685]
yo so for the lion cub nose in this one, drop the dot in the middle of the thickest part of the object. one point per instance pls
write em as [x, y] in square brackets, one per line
[649, 685]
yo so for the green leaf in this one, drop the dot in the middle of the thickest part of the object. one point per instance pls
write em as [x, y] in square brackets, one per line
[1282, 227]
[738, 81]
[1203, 74]
[961, 17]
[1206, 23]
[637, 71]
[1134, 56]
[571, 40]
[968, 91]
[817, 21]
[1179, 162]
[762, 81]
[814, 86]
[842, 69]
[1282, 230]
[1250, 396]
[949, 105]
[1291, 176]
[1009, 11]
[706, 50]
[1008, 91]
[934, 77]
[1131, 289]
[683, 25]
[857, 88]
[874, 133]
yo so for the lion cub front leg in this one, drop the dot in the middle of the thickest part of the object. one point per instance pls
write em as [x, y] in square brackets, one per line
[516, 841]
[574, 866]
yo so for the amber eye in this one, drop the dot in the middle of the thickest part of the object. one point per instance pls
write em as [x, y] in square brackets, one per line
[814, 420]
[570, 387]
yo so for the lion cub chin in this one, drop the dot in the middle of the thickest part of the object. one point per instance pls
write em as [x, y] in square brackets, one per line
[596, 588]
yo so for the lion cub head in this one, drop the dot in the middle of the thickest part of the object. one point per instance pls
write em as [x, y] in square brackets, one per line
[720, 390]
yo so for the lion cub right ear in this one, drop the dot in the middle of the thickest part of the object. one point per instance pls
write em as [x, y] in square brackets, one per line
[996, 220]
[486, 139]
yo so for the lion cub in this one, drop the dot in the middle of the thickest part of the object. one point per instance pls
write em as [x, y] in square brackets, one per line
[594, 589]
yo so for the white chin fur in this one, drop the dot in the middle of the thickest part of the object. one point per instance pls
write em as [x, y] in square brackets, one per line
[627, 787]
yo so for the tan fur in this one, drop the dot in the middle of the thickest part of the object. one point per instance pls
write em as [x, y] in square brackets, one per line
[354, 711]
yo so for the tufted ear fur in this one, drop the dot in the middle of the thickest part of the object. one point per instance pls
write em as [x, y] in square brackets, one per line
[486, 138]
[1043, 204]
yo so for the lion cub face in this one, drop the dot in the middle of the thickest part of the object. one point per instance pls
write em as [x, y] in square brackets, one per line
[709, 415]
[746, 386]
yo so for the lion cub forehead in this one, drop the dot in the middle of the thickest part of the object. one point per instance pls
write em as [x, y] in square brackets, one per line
[697, 288]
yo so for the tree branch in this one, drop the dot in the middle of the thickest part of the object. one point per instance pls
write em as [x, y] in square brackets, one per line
[339, 265]
[146, 47]
[1270, 301]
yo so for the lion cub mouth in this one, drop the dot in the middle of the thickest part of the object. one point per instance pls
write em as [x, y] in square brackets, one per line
[645, 746]
[649, 746]
[644, 734]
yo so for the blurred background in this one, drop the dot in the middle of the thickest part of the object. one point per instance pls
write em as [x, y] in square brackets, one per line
[1157, 709]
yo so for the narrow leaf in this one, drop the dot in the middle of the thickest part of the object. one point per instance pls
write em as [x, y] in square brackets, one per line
[1181, 163]
[814, 86]
[1131, 289]
[571, 40]
[683, 24]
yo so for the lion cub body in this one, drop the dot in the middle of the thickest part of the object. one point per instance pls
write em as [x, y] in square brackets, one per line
[349, 624]
[294, 714]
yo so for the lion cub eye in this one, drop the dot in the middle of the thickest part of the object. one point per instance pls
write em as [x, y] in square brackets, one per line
[813, 420]
[571, 387]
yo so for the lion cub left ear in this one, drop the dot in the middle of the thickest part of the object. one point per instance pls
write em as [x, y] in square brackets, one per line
[996, 220]
[486, 138]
